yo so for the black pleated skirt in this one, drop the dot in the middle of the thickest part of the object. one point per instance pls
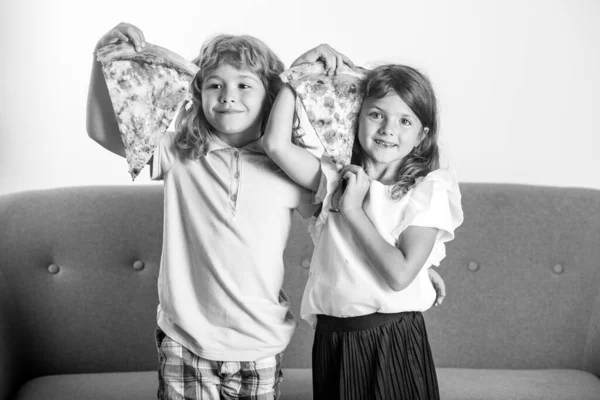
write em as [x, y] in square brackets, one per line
[373, 357]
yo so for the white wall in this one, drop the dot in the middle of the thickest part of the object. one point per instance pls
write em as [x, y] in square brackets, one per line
[518, 81]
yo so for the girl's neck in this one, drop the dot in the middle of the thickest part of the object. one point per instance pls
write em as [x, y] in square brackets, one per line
[384, 173]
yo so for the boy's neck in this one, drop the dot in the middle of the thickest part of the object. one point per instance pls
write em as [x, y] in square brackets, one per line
[239, 140]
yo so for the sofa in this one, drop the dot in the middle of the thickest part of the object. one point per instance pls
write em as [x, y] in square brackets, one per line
[79, 266]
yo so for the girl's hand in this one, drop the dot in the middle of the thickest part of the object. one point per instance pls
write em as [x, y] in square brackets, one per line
[333, 59]
[123, 32]
[358, 184]
[438, 284]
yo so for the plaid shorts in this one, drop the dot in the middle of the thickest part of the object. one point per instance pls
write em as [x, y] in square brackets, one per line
[182, 375]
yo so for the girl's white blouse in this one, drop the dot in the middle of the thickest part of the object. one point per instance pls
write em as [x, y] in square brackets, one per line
[341, 283]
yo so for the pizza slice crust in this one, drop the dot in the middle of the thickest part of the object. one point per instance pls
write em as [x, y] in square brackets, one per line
[146, 89]
[332, 104]
[151, 54]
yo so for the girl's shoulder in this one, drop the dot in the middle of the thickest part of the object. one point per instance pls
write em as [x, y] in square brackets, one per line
[445, 177]
[436, 188]
[436, 198]
[170, 135]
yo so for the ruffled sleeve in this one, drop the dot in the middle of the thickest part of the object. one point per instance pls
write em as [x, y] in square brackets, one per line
[327, 185]
[434, 202]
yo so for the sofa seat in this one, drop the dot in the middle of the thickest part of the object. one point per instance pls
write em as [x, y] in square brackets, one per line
[514, 384]
[134, 386]
[455, 384]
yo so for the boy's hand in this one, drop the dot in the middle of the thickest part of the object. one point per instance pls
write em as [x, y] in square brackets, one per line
[123, 32]
[333, 59]
[356, 188]
[439, 286]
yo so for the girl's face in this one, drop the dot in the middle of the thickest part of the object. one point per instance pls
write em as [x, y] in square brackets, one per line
[388, 130]
[232, 101]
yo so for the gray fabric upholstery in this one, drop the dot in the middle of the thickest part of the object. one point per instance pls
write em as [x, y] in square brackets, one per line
[514, 311]
[503, 384]
[509, 319]
[134, 386]
[455, 384]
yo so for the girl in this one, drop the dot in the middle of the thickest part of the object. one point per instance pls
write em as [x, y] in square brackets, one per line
[374, 243]
[223, 319]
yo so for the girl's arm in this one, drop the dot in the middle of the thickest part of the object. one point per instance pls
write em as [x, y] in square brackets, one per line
[298, 163]
[101, 123]
[400, 264]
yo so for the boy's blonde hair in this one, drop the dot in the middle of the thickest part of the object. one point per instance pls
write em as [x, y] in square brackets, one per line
[241, 52]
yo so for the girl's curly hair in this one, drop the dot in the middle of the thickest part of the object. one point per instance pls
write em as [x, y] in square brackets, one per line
[241, 52]
[415, 89]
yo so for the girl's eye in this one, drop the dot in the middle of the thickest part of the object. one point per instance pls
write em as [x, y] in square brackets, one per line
[375, 115]
[405, 121]
[244, 86]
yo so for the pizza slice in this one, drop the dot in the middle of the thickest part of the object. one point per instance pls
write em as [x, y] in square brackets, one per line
[332, 104]
[146, 89]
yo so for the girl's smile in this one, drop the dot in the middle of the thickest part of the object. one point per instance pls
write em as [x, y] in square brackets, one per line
[388, 130]
[383, 143]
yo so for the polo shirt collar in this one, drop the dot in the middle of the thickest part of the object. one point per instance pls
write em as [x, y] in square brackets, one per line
[215, 143]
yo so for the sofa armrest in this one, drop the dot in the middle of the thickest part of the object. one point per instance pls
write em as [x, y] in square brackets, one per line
[11, 364]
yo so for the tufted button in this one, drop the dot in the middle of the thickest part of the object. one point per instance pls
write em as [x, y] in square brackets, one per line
[473, 266]
[236, 154]
[236, 175]
[233, 197]
[53, 268]
[558, 269]
[305, 263]
[138, 265]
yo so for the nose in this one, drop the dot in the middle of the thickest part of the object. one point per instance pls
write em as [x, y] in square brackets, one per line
[387, 128]
[227, 96]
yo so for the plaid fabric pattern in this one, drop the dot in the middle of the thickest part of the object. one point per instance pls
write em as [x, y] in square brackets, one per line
[182, 375]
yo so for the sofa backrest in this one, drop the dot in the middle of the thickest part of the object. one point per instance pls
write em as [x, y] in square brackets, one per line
[97, 312]
[79, 268]
[523, 277]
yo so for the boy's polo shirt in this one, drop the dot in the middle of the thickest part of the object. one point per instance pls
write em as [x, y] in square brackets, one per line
[227, 218]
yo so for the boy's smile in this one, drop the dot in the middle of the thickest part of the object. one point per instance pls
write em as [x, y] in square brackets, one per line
[232, 101]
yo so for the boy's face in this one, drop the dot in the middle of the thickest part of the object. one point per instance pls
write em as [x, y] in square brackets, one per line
[232, 101]
[388, 129]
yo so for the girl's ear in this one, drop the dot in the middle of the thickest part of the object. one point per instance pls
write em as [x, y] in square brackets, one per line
[424, 133]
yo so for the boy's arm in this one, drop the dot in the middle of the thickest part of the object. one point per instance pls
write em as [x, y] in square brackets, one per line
[101, 123]
[298, 163]
[438, 284]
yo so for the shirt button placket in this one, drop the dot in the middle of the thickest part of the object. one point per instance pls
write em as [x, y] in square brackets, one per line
[236, 182]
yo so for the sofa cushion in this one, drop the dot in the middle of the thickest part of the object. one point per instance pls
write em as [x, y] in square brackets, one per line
[504, 384]
[455, 384]
[135, 386]
[104, 386]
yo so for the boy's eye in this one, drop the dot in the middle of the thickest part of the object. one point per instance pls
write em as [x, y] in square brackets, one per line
[244, 86]
[375, 115]
[405, 121]
[213, 85]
